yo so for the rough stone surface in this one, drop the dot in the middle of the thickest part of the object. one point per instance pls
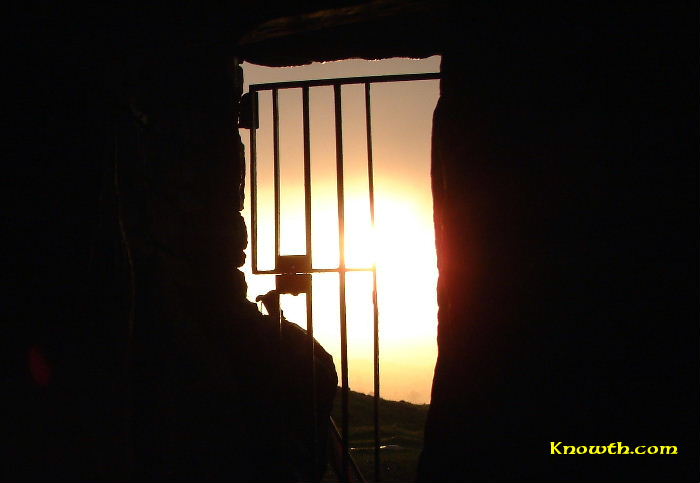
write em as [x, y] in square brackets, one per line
[562, 168]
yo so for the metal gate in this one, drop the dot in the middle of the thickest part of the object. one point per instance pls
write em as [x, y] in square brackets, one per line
[293, 272]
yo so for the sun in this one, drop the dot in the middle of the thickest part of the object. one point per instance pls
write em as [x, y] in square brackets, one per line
[402, 247]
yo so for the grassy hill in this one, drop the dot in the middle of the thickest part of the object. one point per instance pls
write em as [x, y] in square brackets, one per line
[401, 428]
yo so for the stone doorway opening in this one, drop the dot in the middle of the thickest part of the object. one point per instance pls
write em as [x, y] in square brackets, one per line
[401, 246]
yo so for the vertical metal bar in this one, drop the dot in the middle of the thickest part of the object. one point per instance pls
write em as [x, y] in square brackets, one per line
[370, 178]
[341, 264]
[307, 169]
[254, 183]
[276, 167]
[276, 181]
[309, 299]
[312, 359]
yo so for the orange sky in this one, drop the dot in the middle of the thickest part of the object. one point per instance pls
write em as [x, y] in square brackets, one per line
[402, 245]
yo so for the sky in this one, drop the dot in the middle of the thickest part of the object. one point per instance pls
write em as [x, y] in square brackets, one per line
[402, 245]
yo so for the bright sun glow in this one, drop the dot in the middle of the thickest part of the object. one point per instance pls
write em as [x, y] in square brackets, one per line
[402, 244]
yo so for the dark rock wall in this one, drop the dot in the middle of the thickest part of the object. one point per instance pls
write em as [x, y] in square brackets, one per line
[181, 177]
[125, 237]
[134, 353]
[69, 298]
[565, 167]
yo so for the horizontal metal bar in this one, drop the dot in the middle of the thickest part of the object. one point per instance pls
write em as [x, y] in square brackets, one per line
[345, 80]
[317, 270]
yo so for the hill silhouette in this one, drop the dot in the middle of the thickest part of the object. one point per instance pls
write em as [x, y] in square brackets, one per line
[401, 433]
